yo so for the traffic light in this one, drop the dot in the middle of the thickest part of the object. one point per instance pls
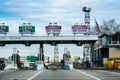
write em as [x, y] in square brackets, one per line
[27, 43]
[2, 44]
[53, 43]
[78, 43]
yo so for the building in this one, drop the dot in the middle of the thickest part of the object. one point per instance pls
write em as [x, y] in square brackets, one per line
[108, 46]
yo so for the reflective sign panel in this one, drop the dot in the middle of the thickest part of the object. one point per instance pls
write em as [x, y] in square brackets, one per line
[27, 29]
[52, 29]
[4, 29]
[79, 29]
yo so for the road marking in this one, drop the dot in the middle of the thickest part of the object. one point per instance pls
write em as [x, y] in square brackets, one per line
[88, 75]
[35, 75]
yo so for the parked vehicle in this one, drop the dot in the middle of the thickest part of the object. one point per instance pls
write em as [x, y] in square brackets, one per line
[2, 64]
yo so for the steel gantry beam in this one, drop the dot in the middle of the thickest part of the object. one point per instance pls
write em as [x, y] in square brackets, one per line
[28, 40]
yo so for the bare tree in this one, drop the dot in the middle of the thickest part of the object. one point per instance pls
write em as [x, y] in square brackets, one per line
[107, 27]
[110, 27]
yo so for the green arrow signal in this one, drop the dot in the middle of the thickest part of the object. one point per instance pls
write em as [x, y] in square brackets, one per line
[78, 44]
[27, 43]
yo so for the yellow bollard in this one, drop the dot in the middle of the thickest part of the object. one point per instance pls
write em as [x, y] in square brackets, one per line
[110, 64]
[118, 65]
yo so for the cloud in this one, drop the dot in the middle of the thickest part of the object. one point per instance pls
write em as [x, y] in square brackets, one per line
[65, 12]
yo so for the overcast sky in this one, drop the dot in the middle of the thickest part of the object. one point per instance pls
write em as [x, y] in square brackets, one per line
[40, 12]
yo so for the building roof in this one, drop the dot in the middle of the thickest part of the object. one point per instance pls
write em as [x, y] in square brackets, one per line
[104, 34]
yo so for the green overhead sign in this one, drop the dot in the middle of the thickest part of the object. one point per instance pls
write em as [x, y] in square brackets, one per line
[27, 29]
[4, 29]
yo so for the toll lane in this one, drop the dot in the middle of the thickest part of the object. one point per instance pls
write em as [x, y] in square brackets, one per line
[17, 74]
[101, 74]
[61, 75]
[84, 74]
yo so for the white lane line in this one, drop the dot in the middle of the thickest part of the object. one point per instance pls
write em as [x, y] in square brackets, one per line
[88, 75]
[35, 75]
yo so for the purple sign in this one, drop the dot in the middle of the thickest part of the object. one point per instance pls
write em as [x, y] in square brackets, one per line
[79, 27]
[26, 31]
[53, 27]
[2, 30]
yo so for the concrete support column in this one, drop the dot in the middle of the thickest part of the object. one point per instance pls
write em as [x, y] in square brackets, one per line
[14, 56]
[92, 54]
[41, 55]
[100, 56]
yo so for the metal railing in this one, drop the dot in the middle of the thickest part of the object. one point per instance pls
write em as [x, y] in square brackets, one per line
[114, 43]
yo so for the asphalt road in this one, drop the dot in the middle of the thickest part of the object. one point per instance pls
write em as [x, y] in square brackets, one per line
[101, 74]
[59, 75]
[17, 74]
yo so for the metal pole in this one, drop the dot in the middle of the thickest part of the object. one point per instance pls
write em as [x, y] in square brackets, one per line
[41, 52]
[14, 56]
[39, 55]
[48, 60]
